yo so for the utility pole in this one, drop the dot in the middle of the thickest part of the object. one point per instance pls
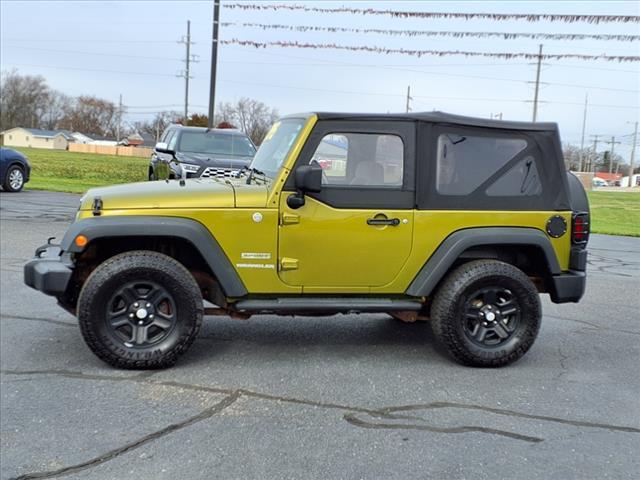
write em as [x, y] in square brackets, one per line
[612, 142]
[119, 119]
[633, 154]
[535, 95]
[592, 162]
[186, 73]
[584, 125]
[186, 76]
[214, 60]
[408, 98]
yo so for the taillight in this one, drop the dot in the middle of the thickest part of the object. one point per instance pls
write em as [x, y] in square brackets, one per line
[580, 228]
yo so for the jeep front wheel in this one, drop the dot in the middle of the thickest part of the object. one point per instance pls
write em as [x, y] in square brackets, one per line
[140, 310]
[486, 313]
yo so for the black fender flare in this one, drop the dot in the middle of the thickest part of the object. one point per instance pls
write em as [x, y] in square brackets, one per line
[450, 249]
[149, 226]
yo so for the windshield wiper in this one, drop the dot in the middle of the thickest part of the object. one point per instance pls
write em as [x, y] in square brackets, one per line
[253, 171]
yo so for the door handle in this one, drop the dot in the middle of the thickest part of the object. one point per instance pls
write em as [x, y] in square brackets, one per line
[394, 222]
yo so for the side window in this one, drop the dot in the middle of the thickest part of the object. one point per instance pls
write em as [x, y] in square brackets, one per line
[466, 162]
[361, 159]
[173, 140]
[166, 136]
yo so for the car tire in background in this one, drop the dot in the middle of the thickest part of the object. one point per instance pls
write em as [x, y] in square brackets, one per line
[486, 313]
[14, 179]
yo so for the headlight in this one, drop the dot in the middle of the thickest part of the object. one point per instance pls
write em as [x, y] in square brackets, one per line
[188, 167]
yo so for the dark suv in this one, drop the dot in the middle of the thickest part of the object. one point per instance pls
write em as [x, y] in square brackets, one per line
[197, 152]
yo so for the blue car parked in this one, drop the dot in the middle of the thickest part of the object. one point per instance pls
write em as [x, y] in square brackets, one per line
[14, 170]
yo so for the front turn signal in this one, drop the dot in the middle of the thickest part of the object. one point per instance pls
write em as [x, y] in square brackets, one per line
[81, 241]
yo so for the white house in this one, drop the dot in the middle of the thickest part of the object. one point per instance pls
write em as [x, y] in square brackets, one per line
[36, 138]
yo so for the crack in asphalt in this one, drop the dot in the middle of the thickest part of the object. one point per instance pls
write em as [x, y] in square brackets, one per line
[355, 420]
[232, 395]
[595, 260]
[563, 367]
[110, 455]
[38, 319]
[593, 325]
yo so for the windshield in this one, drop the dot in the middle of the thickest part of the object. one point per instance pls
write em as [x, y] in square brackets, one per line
[276, 146]
[215, 143]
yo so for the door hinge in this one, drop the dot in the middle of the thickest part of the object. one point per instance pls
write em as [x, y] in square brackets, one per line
[288, 263]
[289, 219]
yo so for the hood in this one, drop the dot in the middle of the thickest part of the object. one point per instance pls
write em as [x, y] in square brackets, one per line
[214, 160]
[195, 193]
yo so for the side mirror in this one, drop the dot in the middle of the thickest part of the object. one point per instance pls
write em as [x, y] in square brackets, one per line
[162, 147]
[309, 178]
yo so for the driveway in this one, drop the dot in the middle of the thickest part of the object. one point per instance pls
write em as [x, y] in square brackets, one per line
[351, 396]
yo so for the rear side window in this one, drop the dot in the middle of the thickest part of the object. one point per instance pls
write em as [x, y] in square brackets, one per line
[522, 179]
[465, 162]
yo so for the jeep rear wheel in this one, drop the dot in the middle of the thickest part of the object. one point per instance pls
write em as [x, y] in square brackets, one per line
[140, 310]
[486, 313]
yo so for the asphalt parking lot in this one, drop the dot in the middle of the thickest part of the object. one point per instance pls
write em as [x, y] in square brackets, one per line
[353, 397]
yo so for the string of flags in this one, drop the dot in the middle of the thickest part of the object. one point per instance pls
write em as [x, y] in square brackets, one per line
[529, 17]
[436, 53]
[431, 33]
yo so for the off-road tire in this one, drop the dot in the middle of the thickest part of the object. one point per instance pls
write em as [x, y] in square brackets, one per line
[7, 187]
[448, 312]
[93, 305]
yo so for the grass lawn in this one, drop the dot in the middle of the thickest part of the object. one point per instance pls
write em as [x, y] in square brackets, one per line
[615, 213]
[62, 171]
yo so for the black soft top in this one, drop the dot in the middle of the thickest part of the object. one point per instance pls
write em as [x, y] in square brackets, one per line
[441, 117]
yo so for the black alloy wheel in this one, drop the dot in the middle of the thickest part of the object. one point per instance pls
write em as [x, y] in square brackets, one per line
[140, 309]
[491, 316]
[486, 313]
[141, 314]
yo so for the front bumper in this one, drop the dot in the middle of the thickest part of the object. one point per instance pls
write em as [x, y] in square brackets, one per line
[50, 270]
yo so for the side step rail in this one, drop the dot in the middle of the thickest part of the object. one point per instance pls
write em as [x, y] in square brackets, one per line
[336, 304]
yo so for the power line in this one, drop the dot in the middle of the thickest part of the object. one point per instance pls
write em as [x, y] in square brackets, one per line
[477, 77]
[334, 62]
[84, 40]
[101, 70]
[194, 59]
[100, 54]
[352, 92]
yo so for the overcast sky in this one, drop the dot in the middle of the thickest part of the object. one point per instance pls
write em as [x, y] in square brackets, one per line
[131, 48]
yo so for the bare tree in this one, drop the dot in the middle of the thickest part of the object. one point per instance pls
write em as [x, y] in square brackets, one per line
[91, 115]
[23, 100]
[254, 118]
[57, 107]
[225, 113]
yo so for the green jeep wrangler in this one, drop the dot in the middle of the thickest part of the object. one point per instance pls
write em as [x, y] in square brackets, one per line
[426, 216]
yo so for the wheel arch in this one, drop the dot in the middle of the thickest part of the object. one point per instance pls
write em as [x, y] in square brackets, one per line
[489, 242]
[122, 233]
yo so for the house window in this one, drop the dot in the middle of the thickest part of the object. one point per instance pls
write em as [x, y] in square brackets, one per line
[10, 137]
[46, 139]
[27, 138]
